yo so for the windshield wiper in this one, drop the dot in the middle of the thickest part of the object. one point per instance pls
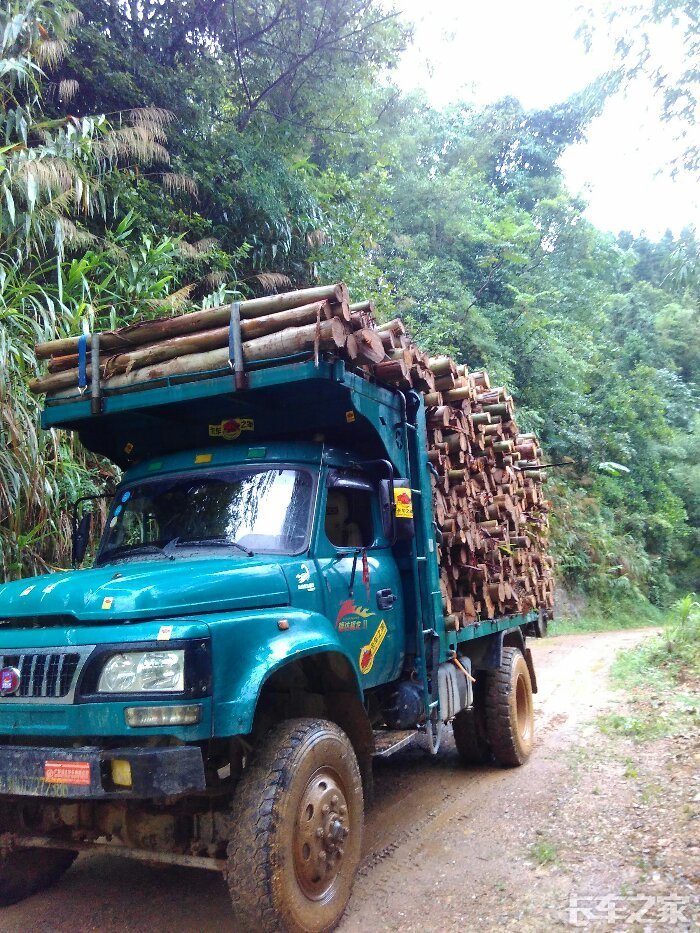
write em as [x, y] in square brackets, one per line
[126, 550]
[217, 542]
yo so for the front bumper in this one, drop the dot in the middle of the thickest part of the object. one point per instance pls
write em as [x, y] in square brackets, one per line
[89, 772]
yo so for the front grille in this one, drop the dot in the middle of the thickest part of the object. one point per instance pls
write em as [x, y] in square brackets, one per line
[43, 675]
[47, 674]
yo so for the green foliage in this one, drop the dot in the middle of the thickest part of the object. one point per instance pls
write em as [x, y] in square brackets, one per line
[638, 31]
[661, 677]
[293, 160]
[544, 853]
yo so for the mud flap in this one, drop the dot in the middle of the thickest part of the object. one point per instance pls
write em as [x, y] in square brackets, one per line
[531, 669]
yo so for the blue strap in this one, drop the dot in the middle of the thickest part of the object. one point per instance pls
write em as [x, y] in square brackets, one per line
[82, 362]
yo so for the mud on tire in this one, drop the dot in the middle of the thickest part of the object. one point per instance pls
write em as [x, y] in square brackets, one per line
[297, 821]
[509, 711]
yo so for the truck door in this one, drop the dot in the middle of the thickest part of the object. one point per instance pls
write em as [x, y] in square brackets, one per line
[367, 610]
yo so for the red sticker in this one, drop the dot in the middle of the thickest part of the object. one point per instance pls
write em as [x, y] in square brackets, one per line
[67, 772]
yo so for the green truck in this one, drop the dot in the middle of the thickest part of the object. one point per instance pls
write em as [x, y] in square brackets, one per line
[262, 616]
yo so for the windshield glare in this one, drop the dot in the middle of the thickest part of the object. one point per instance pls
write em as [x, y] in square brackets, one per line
[262, 510]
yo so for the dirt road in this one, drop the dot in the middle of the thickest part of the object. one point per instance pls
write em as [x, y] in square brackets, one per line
[445, 847]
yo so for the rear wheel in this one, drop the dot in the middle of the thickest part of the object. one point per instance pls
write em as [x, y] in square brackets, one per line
[297, 830]
[27, 871]
[509, 710]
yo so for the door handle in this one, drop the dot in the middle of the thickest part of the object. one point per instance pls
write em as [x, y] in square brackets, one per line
[385, 598]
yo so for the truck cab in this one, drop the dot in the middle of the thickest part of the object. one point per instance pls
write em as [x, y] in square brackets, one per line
[262, 611]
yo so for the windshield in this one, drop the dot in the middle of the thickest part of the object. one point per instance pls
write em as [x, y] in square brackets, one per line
[243, 510]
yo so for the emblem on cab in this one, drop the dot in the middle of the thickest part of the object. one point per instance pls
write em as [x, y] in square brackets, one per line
[10, 679]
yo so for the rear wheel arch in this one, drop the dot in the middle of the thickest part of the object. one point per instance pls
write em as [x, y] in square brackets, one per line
[488, 657]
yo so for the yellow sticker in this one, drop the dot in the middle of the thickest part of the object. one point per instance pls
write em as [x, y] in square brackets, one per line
[107, 602]
[165, 633]
[349, 416]
[203, 458]
[369, 651]
[403, 502]
[231, 428]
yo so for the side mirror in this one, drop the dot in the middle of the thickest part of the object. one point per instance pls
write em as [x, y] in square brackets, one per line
[81, 536]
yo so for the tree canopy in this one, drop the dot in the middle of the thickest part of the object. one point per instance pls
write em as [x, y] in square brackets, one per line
[160, 154]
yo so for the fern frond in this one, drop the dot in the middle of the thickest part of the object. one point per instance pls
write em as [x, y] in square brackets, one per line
[214, 280]
[175, 183]
[150, 117]
[175, 300]
[205, 244]
[50, 52]
[272, 281]
[133, 142]
[67, 89]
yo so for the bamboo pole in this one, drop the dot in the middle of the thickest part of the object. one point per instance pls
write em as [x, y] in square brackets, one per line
[151, 331]
[328, 335]
[204, 340]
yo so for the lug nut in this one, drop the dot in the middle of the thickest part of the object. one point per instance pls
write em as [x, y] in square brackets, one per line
[322, 856]
[334, 800]
[324, 809]
[340, 851]
[343, 810]
[319, 833]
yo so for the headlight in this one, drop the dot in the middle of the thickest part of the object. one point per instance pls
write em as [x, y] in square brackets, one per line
[143, 671]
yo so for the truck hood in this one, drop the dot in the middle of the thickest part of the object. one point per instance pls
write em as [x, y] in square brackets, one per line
[146, 590]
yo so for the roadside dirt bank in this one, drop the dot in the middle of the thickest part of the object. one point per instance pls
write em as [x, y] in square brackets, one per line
[592, 830]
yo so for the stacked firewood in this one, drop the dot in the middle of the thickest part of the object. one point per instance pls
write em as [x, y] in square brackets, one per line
[487, 479]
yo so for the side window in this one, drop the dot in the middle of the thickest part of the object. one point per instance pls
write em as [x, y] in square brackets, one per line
[349, 521]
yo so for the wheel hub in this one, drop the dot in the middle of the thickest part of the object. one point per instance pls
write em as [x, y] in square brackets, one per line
[322, 827]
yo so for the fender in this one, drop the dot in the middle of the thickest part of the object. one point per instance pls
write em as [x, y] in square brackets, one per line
[489, 659]
[247, 648]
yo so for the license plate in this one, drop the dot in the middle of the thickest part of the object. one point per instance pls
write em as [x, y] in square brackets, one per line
[67, 772]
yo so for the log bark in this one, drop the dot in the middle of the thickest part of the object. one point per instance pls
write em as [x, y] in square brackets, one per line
[193, 343]
[362, 307]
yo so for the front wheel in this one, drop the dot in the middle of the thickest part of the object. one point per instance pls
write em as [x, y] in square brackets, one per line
[509, 710]
[297, 830]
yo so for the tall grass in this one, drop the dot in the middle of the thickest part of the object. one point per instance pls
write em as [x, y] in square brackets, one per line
[55, 174]
[662, 677]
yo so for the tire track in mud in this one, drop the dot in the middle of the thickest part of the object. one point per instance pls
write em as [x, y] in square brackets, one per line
[430, 813]
[468, 812]
[568, 668]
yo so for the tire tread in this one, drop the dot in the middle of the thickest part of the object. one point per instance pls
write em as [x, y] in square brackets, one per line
[254, 821]
[500, 731]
